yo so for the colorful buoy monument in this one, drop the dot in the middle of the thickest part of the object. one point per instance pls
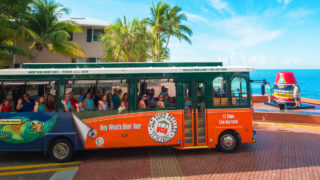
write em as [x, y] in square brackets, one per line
[283, 88]
[283, 94]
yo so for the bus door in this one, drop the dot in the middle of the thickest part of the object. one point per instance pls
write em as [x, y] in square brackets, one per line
[195, 128]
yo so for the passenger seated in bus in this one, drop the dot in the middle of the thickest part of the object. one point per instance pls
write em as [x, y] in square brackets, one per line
[103, 104]
[163, 90]
[160, 103]
[124, 103]
[40, 105]
[11, 101]
[142, 104]
[97, 98]
[120, 94]
[88, 102]
[116, 98]
[81, 97]
[66, 103]
[166, 100]
[109, 101]
[46, 93]
[80, 107]
[72, 100]
[25, 104]
[151, 94]
[50, 105]
[91, 91]
[148, 101]
[5, 106]
[104, 91]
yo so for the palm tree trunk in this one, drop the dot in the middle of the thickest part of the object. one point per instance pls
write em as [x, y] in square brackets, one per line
[165, 48]
[158, 55]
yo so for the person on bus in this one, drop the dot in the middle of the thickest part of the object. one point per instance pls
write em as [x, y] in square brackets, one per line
[151, 94]
[120, 94]
[148, 101]
[11, 100]
[160, 103]
[5, 106]
[142, 104]
[88, 102]
[104, 91]
[163, 90]
[46, 93]
[109, 101]
[66, 103]
[166, 100]
[40, 105]
[72, 100]
[50, 105]
[116, 98]
[81, 97]
[97, 98]
[80, 107]
[103, 104]
[124, 103]
[25, 104]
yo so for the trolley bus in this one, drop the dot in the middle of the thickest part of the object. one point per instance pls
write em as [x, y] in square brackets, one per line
[62, 108]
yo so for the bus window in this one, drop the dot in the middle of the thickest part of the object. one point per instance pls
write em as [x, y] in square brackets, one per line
[156, 93]
[239, 91]
[219, 92]
[28, 96]
[101, 95]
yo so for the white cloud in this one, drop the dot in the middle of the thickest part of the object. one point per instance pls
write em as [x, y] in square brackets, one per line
[219, 4]
[298, 13]
[285, 2]
[243, 32]
[196, 18]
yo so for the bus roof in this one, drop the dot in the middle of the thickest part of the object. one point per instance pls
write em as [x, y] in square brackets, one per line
[123, 70]
[118, 65]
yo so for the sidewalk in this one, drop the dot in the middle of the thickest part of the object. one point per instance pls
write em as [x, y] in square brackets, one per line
[281, 152]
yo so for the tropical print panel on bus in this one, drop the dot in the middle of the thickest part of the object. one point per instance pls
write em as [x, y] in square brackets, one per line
[19, 129]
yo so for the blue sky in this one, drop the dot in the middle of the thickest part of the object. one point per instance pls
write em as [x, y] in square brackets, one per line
[257, 33]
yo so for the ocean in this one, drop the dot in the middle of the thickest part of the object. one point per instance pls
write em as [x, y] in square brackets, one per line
[308, 80]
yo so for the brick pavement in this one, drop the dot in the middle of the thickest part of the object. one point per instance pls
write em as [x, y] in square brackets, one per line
[280, 153]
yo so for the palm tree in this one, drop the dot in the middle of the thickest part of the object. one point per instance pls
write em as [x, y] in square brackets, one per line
[126, 41]
[173, 27]
[157, 23]
[45, 30]
[12, 15]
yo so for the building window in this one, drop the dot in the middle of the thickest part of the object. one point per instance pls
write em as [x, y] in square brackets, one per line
[81, 60]
[93, 35]
[94, 60]
[96, 34]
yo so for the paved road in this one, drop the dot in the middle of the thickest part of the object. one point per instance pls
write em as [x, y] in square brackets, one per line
[283, 152]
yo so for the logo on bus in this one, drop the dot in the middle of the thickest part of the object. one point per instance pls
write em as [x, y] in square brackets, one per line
[162, 127]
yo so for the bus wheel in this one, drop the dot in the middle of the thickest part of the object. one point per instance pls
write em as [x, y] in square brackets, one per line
[61, 150]
[228, 142]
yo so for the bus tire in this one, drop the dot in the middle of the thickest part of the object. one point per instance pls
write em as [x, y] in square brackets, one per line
[228, 142]
[61, 150]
